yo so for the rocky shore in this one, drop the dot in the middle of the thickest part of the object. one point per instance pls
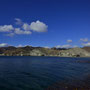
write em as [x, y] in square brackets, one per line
[40, 51]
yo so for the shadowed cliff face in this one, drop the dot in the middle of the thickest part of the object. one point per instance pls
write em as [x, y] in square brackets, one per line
[40, 51]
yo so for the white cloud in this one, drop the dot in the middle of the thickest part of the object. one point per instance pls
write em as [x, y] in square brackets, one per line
[4, 45]
[23, 28]
[18, 21]
[26, 26]
[6, 28]
[35, 26]
[69, 41]
[19, 31]
[38, 26]
[86, 44]
[58, 46]
[64, 46]
[20, 45]
[84, 39]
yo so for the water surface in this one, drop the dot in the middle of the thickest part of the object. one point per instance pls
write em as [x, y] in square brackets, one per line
[40, 73]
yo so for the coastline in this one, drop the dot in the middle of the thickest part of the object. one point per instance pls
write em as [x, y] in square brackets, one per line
[43, 56]
[40, 51]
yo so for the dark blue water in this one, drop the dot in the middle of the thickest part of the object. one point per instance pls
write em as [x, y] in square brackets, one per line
[39, 73]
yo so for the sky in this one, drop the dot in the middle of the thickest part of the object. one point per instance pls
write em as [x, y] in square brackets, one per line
[45, 23]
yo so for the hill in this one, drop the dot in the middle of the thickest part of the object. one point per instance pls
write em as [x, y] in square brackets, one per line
[40, 51]
[87, 48]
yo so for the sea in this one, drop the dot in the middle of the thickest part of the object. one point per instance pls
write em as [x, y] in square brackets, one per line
[44, 73]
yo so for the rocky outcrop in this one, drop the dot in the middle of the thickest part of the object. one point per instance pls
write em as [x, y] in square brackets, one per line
[36, 52]
[86, 48]
[75, 52]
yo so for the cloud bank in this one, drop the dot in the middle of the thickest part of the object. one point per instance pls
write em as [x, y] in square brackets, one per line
[6, 28]
[23, 28]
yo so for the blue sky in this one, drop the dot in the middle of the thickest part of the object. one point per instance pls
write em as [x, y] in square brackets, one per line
[48, 23]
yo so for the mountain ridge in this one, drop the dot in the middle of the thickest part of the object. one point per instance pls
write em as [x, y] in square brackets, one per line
[41, 51]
